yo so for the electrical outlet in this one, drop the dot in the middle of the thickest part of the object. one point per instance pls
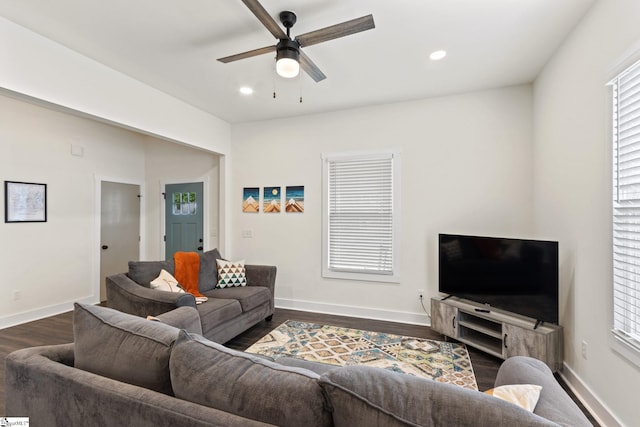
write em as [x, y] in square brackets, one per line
[420, 293]
[17, 295]
[584, 350]
[247, 234]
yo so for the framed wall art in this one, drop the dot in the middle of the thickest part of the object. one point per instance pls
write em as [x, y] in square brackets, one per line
[271, 200]
[25, 202]
[294, 199]
[251, 199]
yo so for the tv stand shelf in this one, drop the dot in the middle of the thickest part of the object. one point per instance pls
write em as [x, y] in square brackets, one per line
[497, 332]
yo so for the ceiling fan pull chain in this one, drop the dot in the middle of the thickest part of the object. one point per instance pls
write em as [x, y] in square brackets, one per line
[300, 86]
[274, 83]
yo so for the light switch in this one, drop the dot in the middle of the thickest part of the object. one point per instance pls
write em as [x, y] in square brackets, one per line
[247, 234]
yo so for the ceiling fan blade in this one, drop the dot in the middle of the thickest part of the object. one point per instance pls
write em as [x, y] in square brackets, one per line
[336, 31]
[248, 54]
[310, 68]
[263, 16]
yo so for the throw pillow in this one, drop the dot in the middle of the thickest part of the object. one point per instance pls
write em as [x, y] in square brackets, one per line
[123, 347]
[231, 273]
[524, 395]
[166, 282]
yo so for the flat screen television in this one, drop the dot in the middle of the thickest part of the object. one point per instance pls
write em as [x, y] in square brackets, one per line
[516, 275]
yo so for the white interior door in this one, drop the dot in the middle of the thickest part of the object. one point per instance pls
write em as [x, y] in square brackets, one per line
[119, 229]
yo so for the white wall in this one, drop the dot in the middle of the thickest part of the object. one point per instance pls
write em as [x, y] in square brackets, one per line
[168, 163]
[50, 263]
[466, 167]
[38, 69]
[55, 263]
[572, 197]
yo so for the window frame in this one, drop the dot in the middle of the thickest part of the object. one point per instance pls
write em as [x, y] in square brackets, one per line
[621, 341]
[394, 277]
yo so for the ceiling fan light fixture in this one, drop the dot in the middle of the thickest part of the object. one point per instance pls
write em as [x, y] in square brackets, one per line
[287, 59]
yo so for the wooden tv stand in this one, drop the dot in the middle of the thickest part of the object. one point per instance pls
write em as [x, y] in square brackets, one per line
[497, 332]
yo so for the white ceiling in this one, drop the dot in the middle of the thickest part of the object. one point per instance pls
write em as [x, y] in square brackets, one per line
[172, 45]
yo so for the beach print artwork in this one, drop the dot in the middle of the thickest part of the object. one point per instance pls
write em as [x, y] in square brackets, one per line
[251, 199]
[294, 197]
[271, 200]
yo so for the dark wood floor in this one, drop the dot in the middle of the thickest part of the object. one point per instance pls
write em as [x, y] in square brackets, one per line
[59, 330]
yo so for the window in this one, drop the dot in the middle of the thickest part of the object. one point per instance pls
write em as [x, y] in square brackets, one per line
[626, 206]
[361, 216]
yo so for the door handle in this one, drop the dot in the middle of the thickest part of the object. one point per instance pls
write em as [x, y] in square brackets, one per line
[105, 247]
[199, 248]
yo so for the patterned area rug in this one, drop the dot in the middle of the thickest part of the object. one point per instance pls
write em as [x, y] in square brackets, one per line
[436, 360]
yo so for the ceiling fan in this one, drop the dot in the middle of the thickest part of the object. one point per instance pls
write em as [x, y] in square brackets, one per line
[289, 56]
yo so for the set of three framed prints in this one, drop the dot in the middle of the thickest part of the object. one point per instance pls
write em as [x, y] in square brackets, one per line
[272, 199]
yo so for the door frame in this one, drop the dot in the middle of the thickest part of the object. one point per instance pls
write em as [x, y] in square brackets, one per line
[205, 203]
[98, 179]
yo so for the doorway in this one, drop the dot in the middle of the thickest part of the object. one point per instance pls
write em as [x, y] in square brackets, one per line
[119, 229]
[184, 213]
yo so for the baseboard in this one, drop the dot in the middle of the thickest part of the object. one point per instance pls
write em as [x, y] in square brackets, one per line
[41, 313]
[600, 411]
[353, 311]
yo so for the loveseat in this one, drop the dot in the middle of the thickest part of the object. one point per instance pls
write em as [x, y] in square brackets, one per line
[127, 370]
[227, 312]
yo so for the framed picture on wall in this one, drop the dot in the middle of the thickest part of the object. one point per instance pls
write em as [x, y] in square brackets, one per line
[271, 200]
[251, 199]
[25, 202]
[294, 199]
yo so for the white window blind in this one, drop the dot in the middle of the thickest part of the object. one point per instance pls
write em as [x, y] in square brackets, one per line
[360, 225]
[626, 206]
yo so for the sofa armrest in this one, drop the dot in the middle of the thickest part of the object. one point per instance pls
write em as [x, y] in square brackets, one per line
[52, 393]
[554, 403]
[125, 295]
[186, 318]
[261, 275]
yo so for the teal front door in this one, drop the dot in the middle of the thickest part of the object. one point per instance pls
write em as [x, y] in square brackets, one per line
[183, 218]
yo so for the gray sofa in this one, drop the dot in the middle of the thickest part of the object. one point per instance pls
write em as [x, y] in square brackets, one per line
[226, 314]
[126, 370]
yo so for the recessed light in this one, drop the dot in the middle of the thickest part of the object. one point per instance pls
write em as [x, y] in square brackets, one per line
[246, 90]
[438, 55]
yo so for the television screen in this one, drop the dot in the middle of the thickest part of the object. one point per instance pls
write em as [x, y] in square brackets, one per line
[516, 275]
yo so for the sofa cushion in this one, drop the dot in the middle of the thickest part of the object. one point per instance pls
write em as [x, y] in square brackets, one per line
[216, 311]
[366, 396]
[123, 347]
[249, 297]
[212, 375]
[143, 272]
[208, 275]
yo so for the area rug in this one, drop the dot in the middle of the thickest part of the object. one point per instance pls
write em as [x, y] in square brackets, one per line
[437, 360]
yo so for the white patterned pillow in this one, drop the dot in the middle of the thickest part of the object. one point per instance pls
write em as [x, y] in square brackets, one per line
[231, 273]
[166, 282]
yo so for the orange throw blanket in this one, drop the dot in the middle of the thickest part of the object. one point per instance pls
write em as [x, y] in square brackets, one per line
[186, 272]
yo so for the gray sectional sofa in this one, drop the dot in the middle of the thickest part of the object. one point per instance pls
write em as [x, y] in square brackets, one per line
[226, 314]
[126, 370]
